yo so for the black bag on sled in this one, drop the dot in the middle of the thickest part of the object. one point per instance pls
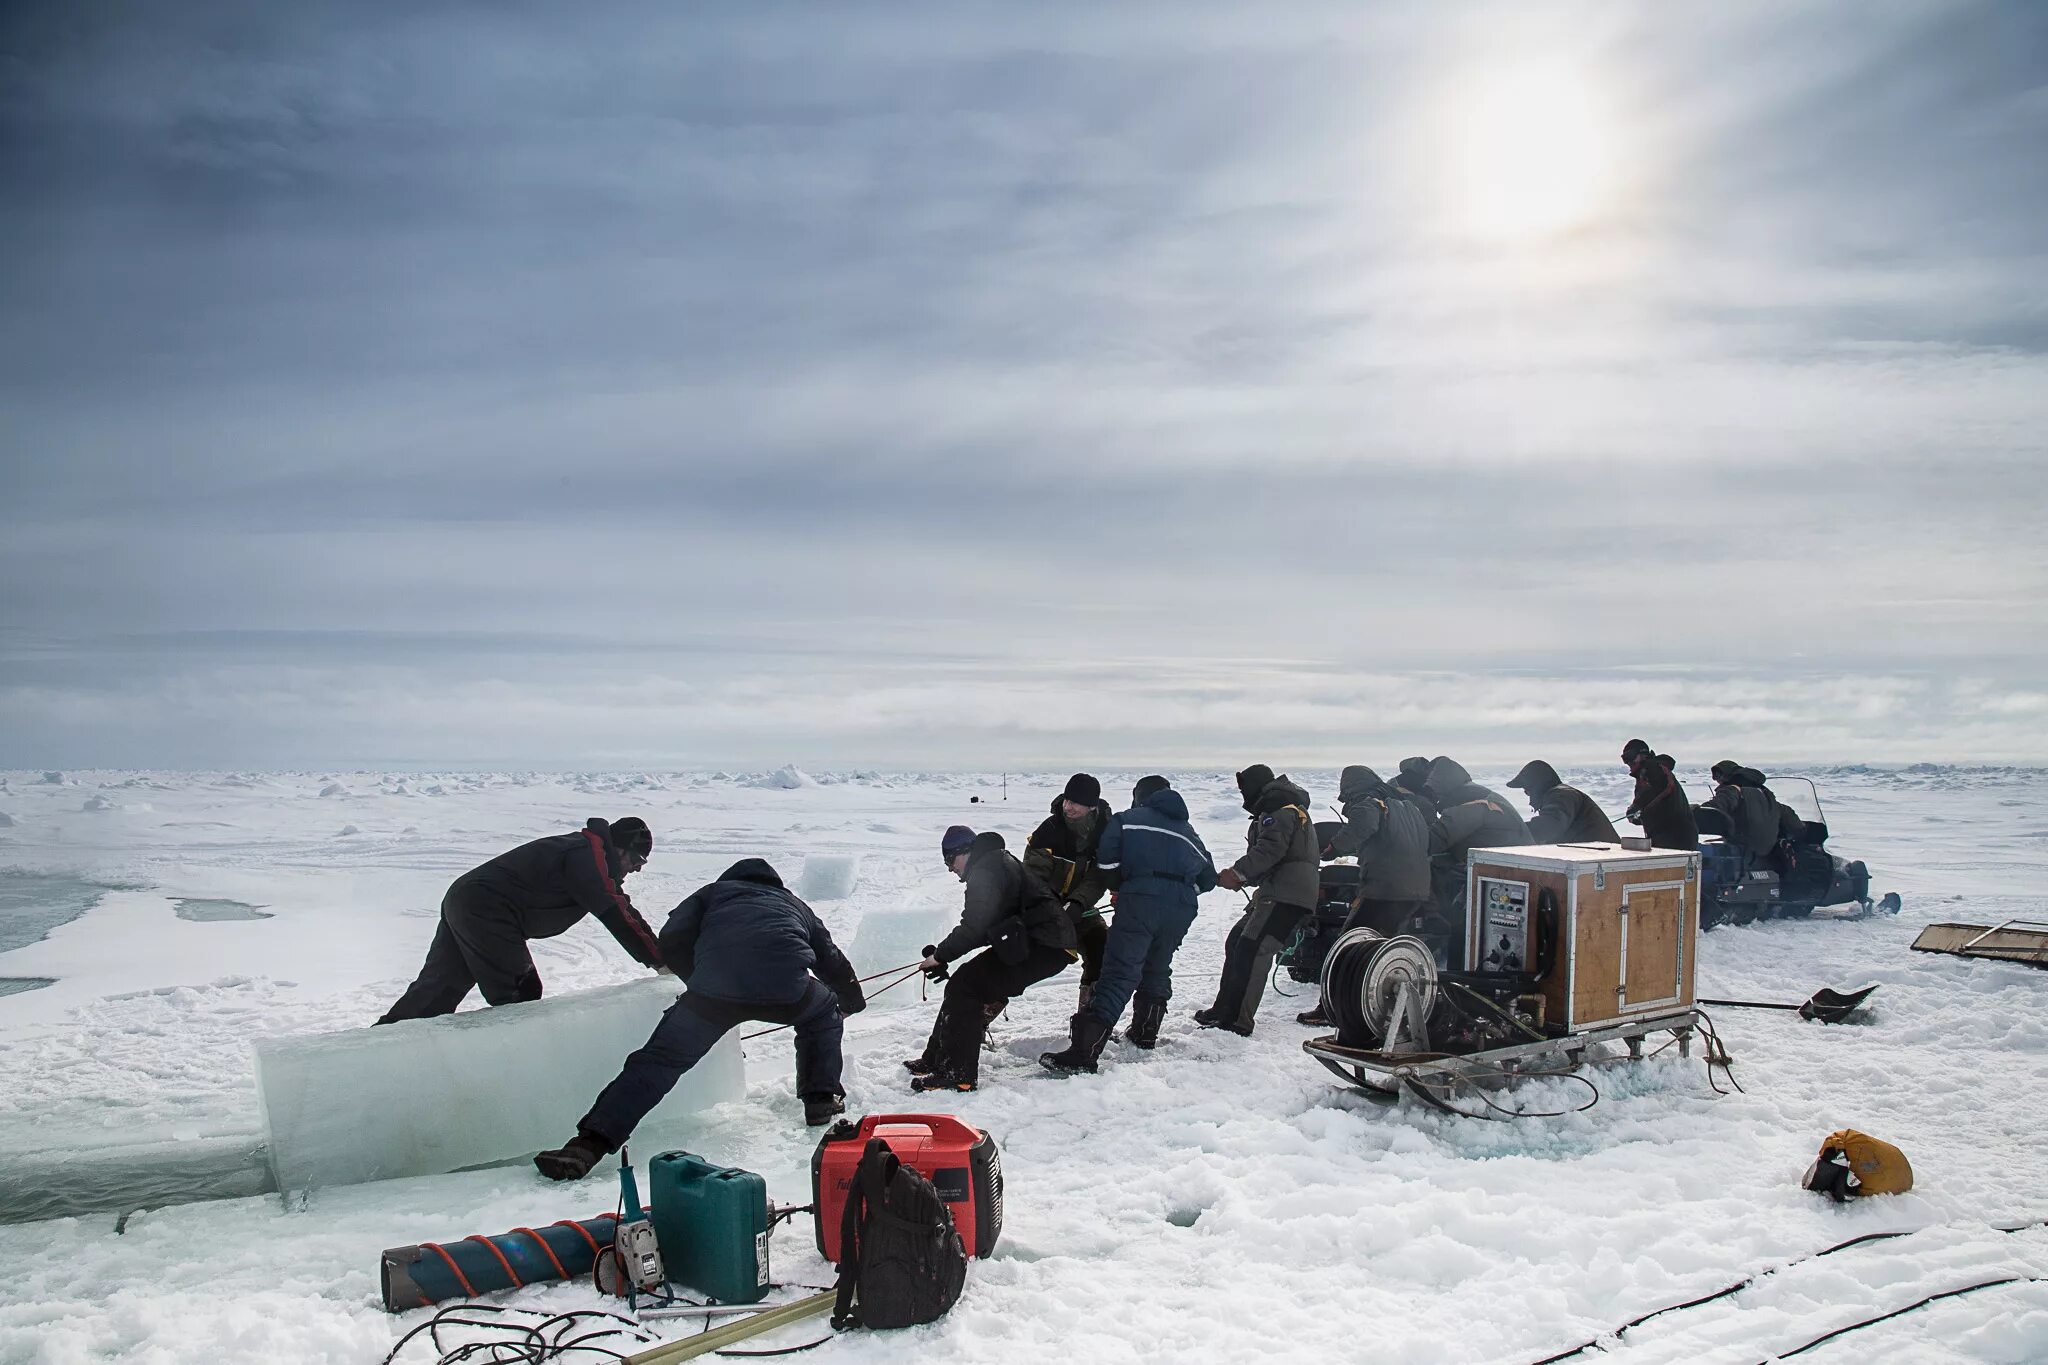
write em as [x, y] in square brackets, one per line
[900, 1259]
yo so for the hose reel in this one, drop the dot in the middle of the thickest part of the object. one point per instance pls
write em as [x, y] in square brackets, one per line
[1379, 991]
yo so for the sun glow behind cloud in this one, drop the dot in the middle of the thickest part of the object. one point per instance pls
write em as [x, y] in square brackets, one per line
[1534, 151]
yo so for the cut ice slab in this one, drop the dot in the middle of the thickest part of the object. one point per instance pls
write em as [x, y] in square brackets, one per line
[896, 938]
[829, 877]
[429, 1096]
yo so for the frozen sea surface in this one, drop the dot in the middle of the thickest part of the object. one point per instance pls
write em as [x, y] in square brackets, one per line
[1219, 1199]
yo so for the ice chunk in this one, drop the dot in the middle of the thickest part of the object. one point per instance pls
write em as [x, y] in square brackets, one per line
[828, 877]
[787, 778]
[896, 938]
[97, 803]
[334, 789]
[429, 1096]
[6, 820]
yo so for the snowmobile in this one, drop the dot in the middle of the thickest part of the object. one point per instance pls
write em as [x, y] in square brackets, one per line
[1790, 882]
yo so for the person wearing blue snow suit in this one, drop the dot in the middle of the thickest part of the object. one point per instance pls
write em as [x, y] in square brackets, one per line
[1159, 866]
[748, 950]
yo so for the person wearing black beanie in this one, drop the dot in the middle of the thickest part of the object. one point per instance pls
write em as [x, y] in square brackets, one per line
[536, 891]
[1062, 852]
[1283, 859]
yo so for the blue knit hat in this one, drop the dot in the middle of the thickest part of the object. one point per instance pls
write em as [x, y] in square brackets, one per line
[955, 842]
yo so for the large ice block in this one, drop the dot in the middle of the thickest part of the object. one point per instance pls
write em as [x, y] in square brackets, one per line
[893, 938]
[829, 876]
[429, 1096]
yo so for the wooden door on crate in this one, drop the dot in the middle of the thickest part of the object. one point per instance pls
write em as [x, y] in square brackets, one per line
[1653, 935]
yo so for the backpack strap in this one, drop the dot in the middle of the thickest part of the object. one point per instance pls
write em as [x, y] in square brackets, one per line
[868, 1191]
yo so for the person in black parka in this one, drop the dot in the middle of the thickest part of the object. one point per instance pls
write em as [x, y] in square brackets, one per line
[1564, 815]
[1025, 935]
[1659, 804]
[746, 948]
[1062, 851]
[538, 890]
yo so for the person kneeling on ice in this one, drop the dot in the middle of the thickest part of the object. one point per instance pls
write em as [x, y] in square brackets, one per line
[1159, 866]
[748, 950]
[537, 890]
[1026, 935]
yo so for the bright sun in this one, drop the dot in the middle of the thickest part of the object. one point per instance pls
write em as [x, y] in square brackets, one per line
[1533, 153]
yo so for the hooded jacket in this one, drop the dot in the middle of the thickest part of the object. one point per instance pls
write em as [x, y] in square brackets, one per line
[1564, 815]
[1388, 834]
[1408, 784]
[1752, 816]
[1469, 816]
[1065, 863]
[1660, 806]
[1283, 858]
[1152, 854]
[549, 884]
[746, 938]
[998, 886]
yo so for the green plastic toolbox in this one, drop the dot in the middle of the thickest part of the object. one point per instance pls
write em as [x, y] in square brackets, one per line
[712, 1223]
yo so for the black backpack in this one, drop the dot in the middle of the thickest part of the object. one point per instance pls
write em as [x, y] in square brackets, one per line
[900, 1259]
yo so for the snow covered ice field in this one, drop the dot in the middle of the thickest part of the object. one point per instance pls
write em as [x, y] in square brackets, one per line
[1219, 1199]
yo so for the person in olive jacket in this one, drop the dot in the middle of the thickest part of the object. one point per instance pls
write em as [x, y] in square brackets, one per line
[1659, 804]
[537, 890]
[1025, 935]
[1564, 815]
[1389, 836]
[1062, 851]
[1283, 860]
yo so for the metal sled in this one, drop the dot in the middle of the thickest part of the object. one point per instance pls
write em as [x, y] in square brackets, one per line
[1382, 1074]
[2014, 940]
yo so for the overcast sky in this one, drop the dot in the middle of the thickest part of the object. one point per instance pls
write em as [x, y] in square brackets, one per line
[979, 386]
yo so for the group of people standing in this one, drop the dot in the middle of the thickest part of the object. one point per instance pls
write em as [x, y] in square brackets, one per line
[749, 949]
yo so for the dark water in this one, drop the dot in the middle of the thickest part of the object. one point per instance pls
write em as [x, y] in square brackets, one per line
[213, 911]
[34, 903]
[15, 985]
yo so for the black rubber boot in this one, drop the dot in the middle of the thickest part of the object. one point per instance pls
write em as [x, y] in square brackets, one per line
[820, 1109]
[926, 1062]
[573, 1160]
[1314, 1018]
[1148, 1012]
[1082, 1052]
[1212, 1017]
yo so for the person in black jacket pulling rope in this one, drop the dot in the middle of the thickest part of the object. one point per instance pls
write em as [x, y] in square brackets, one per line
[1062, 851]
[1160, 867]
[1026, 936]
[537, 890]
[747, 949]
[1283, 859]
[1564, 815]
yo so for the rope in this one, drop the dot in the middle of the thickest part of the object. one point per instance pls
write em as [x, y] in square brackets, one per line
[1901, 1312]
[1717, 1055]
[522, 1341]
[1749, 1280]
[907, 973]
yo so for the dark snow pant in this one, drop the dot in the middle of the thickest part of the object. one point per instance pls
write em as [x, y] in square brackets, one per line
[1139, 957]
[1093, 931]
[692, 1027]
[479, 943]
[976, 994]
[1255, 940]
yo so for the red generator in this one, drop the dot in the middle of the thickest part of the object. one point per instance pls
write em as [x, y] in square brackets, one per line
[959, 1160]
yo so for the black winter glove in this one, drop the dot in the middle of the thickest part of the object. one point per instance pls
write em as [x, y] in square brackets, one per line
[852, 999]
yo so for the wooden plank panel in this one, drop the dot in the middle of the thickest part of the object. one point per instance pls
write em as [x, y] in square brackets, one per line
[1596, 968]
[1654, 921]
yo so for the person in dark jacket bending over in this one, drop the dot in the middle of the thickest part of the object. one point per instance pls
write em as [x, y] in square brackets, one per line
[1026, 936]
[1564, 815]
[1283, 859]
[1659, 804]
[1159, 866]
[1062, 851]
[537, 890]
[747, 949]
[1390, 838]
[1469, 816]
[1410, 784]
